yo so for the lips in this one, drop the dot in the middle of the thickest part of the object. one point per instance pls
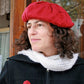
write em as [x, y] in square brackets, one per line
[35, 40]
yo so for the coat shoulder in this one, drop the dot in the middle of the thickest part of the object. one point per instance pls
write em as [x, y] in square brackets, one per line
[20, 58]
[80, 61]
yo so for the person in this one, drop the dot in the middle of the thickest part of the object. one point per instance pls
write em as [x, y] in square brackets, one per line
[46, 50]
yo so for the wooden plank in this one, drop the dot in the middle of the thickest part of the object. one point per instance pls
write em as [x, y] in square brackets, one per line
[82, 29]
[16, 23]
[82, 40]
[35, 0]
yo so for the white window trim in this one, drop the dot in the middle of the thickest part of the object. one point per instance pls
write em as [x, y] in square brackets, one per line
[4, 30]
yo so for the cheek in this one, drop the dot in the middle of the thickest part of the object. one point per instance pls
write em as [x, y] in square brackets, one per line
[28, 33]
[49, 35]
[48, 38]
[49, 32]
[28, 36]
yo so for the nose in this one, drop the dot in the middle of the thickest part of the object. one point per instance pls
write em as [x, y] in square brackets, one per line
[32, 30]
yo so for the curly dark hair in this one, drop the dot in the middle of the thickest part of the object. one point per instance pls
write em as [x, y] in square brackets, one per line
[66, 41]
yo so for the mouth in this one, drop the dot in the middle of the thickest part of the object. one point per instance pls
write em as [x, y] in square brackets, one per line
[35, 40]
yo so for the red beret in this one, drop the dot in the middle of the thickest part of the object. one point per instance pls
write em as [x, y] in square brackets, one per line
[48, 12]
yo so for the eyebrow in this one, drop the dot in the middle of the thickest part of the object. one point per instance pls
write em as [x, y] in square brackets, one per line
[36, 21]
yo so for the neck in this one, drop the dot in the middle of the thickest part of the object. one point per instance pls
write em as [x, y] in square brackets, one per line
[49, 52]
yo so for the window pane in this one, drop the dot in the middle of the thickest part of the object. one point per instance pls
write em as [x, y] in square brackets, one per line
[0, 42]
[4, 47]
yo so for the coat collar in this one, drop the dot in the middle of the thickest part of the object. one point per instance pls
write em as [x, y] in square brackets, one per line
[24, 58]
[21, 57]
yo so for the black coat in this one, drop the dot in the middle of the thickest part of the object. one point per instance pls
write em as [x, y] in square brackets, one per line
[20, 68]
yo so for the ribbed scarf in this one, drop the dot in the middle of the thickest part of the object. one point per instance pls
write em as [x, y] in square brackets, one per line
[53, 63]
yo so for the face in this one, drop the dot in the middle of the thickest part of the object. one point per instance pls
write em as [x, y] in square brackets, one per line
[40, 35]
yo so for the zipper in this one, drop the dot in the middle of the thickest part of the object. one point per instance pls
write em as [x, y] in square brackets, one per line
[47, 77]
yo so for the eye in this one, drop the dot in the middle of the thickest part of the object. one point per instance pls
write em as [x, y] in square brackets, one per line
[40, 24]
[28, 27]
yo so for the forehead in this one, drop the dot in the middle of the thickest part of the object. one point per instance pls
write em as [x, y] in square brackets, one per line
[35, 21]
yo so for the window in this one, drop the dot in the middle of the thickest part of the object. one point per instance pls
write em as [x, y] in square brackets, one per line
[4, 45]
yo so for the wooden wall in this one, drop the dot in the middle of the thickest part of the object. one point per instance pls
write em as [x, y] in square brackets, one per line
[82, 40]
[82, 29]
[16, 23]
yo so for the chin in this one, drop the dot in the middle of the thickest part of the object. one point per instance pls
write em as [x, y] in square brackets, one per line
[35, 49]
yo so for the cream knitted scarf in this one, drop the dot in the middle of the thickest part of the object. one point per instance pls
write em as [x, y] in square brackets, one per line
[53, 63]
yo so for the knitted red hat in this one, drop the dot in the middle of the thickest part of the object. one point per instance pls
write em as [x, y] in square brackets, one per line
[48, 12]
